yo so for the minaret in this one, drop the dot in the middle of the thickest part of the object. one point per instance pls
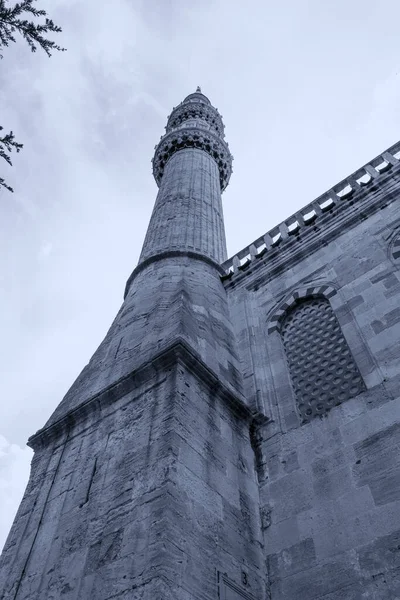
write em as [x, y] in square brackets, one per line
[188, 212]
[142, 483]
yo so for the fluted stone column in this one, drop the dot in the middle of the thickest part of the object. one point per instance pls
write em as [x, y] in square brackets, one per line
[188, 210]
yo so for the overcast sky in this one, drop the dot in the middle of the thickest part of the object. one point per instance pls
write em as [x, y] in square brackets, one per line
[309, 91]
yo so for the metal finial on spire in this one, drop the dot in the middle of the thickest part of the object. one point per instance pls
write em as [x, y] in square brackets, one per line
[198, 89]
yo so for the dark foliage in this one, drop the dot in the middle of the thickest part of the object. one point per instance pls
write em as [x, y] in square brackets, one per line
[7, 144]
[13, 20]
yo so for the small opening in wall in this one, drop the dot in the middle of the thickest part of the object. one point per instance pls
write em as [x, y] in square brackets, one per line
[383, 166]
[345, 192]
[276, 239]
[245, 261]
[228, 274]
[261, 251]
[327, 205]
[293, 227]
[310, 217]
[364, 179]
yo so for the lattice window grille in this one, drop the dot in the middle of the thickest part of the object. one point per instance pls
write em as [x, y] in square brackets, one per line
[322, 369]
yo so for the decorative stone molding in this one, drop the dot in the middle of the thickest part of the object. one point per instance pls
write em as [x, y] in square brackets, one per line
[169, 254]
[195, 123]
[94, 407]
[351, 200]
[196, 110]
[275, 320]
[193, 138]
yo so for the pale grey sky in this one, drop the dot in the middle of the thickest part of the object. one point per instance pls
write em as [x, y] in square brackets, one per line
[309, 92]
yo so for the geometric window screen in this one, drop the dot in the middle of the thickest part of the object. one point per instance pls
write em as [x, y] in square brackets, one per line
[322, 369]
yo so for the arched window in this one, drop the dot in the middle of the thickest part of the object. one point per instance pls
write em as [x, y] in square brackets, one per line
[322, 369]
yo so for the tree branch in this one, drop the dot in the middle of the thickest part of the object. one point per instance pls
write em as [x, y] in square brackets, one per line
[12, 20]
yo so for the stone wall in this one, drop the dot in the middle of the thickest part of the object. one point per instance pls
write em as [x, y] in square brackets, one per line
[330, 489]
[152, 496]
[181, 465]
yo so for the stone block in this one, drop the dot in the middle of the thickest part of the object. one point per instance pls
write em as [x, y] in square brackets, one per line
[355, 591]
[378, 464]
[382, 586]
[317, 582]
[196, 489]
[281, 463]
[371, 422]
[290, 495]
[355, 301]
[284, 534]
[291, 560]
[331, 485]
[380, 555]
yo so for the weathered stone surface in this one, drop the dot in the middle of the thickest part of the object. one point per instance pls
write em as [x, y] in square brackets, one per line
[340, 497]
[293, 559]
[317, 582]
[154, 504]
[144, 483]
[177, 466]
[378, 464]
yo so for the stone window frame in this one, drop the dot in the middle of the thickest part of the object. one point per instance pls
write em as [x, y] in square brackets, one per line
[394, 247]
[282, 400]
[275, 321]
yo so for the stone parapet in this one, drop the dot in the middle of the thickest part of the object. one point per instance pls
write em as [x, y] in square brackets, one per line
[351, 199]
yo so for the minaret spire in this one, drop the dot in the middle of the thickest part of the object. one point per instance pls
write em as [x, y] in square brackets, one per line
[192, 165]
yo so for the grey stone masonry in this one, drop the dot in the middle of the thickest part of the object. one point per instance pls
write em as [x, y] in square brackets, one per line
[173, 299]
[330, 487]
[143, 483]
[192, 165]
[188, 210]
[148, 496]
[236, 434]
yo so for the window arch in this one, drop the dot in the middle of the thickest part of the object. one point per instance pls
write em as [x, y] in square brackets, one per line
[322, 369]
[395, 248]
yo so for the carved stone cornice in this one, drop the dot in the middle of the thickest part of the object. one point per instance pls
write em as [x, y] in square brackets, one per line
[93, 409]
[170, 254]
[193, 137]
[369, 189]
[196, 110]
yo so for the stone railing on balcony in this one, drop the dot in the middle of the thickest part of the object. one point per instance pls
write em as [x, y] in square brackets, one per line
[337, 197]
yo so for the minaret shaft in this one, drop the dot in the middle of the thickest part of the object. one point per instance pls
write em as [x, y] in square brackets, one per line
[188, 210]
